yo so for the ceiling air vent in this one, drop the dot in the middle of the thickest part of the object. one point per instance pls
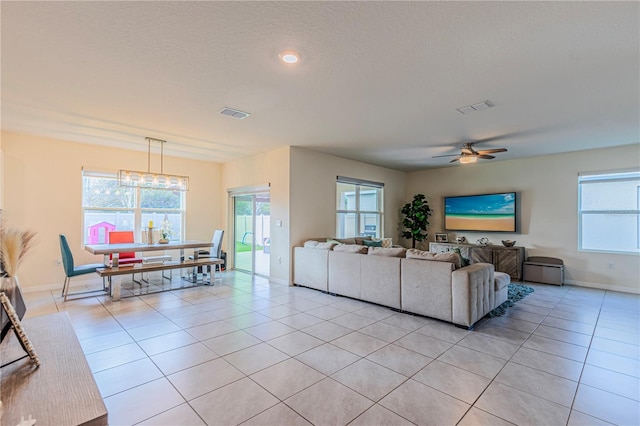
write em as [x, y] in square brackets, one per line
[475, 107]
[234, 113]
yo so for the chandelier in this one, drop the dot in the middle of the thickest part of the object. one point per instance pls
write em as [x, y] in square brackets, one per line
[151, 180]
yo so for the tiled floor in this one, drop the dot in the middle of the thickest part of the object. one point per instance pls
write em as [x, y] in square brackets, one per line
[247, 351]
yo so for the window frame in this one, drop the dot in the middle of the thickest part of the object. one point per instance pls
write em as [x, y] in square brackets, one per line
[359, 183]
[137, 209]
[610, 176]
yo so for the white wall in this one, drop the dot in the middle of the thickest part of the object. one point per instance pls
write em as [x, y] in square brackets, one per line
[548, 193]
[42, 188]
[313, 193]
[271, 167]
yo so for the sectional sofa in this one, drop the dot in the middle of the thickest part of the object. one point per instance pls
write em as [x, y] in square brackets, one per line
[429, 284]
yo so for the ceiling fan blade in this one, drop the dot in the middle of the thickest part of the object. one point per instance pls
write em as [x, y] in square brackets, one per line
[491, 151]
[486, 157]
[450, 155]
[454, 160]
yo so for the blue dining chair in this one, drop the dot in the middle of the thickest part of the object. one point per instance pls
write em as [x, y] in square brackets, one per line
[70, 270]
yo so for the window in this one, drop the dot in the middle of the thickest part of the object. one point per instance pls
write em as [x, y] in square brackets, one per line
[109, 207]
[358, 208]
[609, 211]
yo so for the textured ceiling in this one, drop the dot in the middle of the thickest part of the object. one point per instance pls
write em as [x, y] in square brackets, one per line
[378, 82]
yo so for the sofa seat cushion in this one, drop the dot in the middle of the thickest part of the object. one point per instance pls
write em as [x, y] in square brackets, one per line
[389, 252]
[501, 280]
[438, 257]
[351, 248]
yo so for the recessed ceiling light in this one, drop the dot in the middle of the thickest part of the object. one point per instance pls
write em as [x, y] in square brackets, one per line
[289, 57]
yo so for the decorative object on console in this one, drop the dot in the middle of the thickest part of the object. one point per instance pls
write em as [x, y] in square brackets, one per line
[461, 240]
[442, 238]
[508, 243]
[154, 180]
[483, 241]
[416, 220]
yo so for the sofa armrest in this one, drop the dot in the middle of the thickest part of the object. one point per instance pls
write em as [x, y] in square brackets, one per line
[472, 291]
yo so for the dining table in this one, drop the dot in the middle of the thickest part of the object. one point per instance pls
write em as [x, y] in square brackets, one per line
[112, 267]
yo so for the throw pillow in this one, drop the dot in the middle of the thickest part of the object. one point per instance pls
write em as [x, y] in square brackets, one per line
[361, 240]
[351, 248]
[372, 243]
[390, 252]
[450, 257]
[331, 240]
[387, 242]
[326, 246]
[310, 244]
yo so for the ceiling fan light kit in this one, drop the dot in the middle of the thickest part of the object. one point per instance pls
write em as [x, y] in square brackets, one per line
[469, 155]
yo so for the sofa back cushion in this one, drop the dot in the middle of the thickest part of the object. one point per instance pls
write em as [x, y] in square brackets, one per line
[438, 257]
[318, 245]
[390, 252]
[351, 248]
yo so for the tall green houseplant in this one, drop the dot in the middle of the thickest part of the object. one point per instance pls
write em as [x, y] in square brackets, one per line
[416, 220]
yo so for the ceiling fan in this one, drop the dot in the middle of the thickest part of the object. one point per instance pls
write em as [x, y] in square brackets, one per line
[470, 155]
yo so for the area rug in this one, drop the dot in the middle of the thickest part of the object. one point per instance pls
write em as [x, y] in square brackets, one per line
[516, 292]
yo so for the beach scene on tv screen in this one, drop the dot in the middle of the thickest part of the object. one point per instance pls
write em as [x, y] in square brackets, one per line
[488, 212]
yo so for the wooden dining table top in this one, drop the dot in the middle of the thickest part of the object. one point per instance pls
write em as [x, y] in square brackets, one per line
[139, 247]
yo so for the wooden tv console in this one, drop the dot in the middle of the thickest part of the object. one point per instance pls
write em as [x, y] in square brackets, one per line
[505, 259]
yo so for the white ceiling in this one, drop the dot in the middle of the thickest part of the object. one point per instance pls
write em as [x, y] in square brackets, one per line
[378, 82]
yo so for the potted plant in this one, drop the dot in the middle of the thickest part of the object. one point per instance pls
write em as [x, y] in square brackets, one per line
[416, 220]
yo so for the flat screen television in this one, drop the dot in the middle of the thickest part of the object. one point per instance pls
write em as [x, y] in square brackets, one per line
[484, 212]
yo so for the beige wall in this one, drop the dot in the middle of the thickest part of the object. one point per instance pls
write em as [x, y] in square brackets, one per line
[43, 192]
[547, 188]
[268, 168]
[313, 193]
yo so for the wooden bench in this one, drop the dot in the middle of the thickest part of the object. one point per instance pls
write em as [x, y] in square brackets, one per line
[62, 391]
[138, 268]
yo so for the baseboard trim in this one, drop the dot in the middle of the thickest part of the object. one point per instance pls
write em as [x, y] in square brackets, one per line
[602, 286]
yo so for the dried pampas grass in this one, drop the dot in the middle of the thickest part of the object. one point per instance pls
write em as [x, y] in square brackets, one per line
[14, 246]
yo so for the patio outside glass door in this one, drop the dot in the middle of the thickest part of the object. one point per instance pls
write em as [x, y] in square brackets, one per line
[252, 233]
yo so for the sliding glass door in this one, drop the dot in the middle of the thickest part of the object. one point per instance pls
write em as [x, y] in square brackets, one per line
[252, 234]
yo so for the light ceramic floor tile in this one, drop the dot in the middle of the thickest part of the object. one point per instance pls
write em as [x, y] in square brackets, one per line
[477, 417]
[453, 381]
[107, 341]
[369, 379]
[269, 330]
[616, 348]
[295, 343]
[379, 416]
[113, 357]
[164, 343]
[327, 331]
[538, 383]
[525, 315]
[327, 358]
[424, 345]
[515, 324]
[231, 342]
[212, 329]
[255, 358]
[555, 347]
[443, 331]
[610, 381]
[607, 406]
[300, 320]
[287, 378]
[181, 415]
[202, 378]
[482, 364]
[248, 320]
[353, 321]
[326, 312]
[564, 335]
[520, 407]
[615, 363]
[329, 402]
[507, 334]
[489, 345]
[552, 364]
[400, 360]
[387, 332]
[377, 313]
[423, 405]
[140, 403]
[618, 336]
[126, 376]
[576, 418]
[234, 403]
[576, 327]
[408, 322]
[182, 358]
[277, 415]
[359, 344]
[153, 330]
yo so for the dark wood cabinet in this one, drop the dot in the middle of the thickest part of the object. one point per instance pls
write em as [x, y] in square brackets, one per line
[505, 259]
